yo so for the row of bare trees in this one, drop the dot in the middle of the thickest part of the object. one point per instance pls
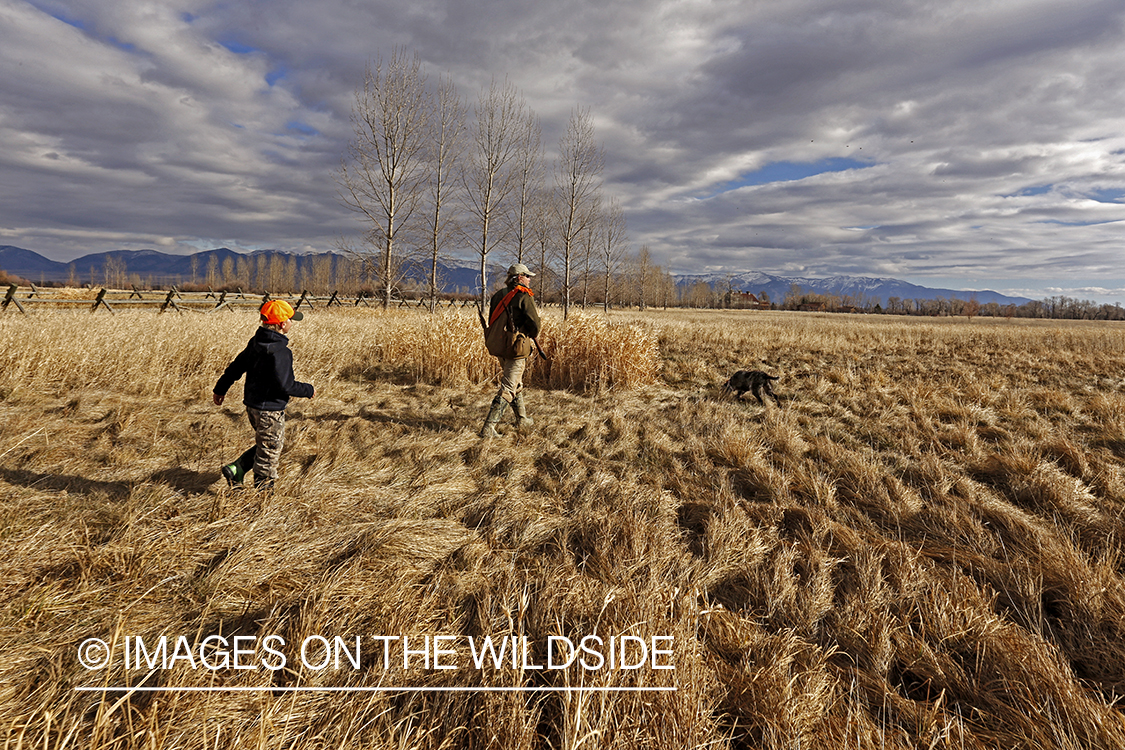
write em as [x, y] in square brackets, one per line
[268, 271]
[632, 280]
[427, 176]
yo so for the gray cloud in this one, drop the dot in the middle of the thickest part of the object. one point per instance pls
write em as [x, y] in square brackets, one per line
[992, 132]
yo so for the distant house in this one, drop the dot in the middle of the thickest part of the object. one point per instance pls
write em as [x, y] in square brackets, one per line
[744, 301]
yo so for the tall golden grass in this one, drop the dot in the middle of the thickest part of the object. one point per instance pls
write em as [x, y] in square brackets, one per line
[923, 548]
[174, 355]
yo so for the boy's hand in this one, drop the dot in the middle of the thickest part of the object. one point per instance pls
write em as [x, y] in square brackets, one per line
[217, 399]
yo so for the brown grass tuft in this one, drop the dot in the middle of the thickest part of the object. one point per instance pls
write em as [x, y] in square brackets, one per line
[589, 353]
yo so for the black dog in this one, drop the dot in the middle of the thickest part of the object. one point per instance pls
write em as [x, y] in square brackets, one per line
[754, 381]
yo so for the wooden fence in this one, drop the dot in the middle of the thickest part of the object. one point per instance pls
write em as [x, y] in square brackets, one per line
[22, 298]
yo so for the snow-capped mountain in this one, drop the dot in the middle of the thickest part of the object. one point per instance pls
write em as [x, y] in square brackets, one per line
[860, 288]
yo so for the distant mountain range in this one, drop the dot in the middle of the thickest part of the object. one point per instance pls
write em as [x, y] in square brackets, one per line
[860, 288]
[145, 263]
[163, 269]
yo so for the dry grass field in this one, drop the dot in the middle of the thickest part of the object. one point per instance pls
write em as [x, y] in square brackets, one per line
[924, 547]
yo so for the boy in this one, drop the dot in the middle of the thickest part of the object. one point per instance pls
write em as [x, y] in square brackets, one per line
[268, 365]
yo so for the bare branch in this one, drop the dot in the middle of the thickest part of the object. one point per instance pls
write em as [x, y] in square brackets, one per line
[577, 186]
[488, 176]
[447, 146]
[613, 241]
[387, 167]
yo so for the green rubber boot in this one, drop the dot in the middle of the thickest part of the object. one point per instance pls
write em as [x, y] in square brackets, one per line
[522, 420]
[235, 473]
[495, 412]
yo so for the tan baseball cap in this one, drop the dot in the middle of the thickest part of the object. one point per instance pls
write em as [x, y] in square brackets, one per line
[519, 269]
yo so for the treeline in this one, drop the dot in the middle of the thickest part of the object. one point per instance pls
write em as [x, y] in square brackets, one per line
[428, 175]
[704, 295]
[7, 278]
[261, 272]
[1057, 307]
[636, 281]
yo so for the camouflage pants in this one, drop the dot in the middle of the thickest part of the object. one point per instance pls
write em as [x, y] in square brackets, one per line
[269, 435]
[511, 377]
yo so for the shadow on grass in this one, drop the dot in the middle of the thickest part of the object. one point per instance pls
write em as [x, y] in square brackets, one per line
[186, 480]
[68, 482]
[177, 478]
[336, 416]
[378, 373]
[418, 421]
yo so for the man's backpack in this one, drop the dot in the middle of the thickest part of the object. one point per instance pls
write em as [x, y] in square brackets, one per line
[502, 338]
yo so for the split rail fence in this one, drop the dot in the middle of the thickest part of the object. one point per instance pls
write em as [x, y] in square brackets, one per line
[23, 298]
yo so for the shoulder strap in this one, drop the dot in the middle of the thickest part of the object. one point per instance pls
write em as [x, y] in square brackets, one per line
[504, 304]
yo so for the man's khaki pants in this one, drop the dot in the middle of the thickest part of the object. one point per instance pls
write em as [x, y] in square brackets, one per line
[511, 377]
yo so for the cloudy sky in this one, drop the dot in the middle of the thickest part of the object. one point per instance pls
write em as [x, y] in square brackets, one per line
[960, 143]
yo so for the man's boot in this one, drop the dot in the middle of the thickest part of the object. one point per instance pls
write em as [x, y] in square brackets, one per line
[495, 412]
[522, 420]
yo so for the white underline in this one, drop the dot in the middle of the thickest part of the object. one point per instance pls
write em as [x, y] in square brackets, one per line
[115, 689]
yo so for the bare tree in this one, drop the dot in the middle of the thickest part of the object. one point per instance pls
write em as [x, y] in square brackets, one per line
[261, 272]
[277, 273]
[447, 143]
[488, 177]
[388, 168]
[542, 232]
[587, 242]
[347, 275]
[644, 266]
[291, 273]
[212, 270]
[320, 274]
[527, 171]
[667, 287]
[612, 242]
[577, 185]
[115, 272]
[361, 267]
[242, 271]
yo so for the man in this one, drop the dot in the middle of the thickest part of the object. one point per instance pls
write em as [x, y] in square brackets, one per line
[512, 311]
[267, 363]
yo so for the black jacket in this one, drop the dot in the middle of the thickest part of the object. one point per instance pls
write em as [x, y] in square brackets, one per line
[268, 365]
